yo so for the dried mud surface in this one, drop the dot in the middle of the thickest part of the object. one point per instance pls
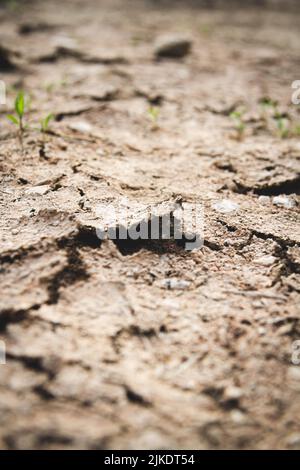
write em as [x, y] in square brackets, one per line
[100, 352]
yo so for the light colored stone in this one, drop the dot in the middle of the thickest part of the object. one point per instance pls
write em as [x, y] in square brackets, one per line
[265, 260]
[233, 393]
[284, 201]
[81, 126]
[238, 417]
[293, 441]
[173, 283]
[39, 190]
[264, 200]
[225, 206]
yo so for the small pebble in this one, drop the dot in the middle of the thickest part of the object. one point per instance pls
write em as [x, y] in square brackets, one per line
[293, 441]
[81, 126]
[225, 206]
[261, 331]
[238, 417]
[265, 260]
[63, 145]
[233, 393]
[100, 152]
[40, 190]
[178, 284]
[284, 201]
[294, 373]
[264, 200]
[257, 304]
[172, 47]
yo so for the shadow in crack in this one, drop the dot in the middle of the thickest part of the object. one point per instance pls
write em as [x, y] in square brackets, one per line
[160, 234]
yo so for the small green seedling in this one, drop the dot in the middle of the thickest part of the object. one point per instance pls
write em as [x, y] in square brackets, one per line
[279, 118]
[206, 28]
[18, 119]
[268, 103]
[153, 113]
[45, 123]
[268, 109]
[237, 117]
[282, 126]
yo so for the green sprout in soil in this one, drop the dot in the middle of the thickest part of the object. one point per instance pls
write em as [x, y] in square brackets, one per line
[268, 103]
[279, 118]
[45, 123]
[240, 126]
[206, 28]
[281, 124]
[153, 113]
[18, 118]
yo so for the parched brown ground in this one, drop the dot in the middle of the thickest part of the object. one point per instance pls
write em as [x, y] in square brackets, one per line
[100, 353]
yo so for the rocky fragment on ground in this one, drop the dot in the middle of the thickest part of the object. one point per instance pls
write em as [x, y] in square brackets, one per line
[7, 59]
[173, 283]
[284, 201]
[81, 126]
[172, 46]
[29, 27]
[225, 206]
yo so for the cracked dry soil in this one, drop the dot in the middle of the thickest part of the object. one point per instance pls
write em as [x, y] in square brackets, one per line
[102, 350]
